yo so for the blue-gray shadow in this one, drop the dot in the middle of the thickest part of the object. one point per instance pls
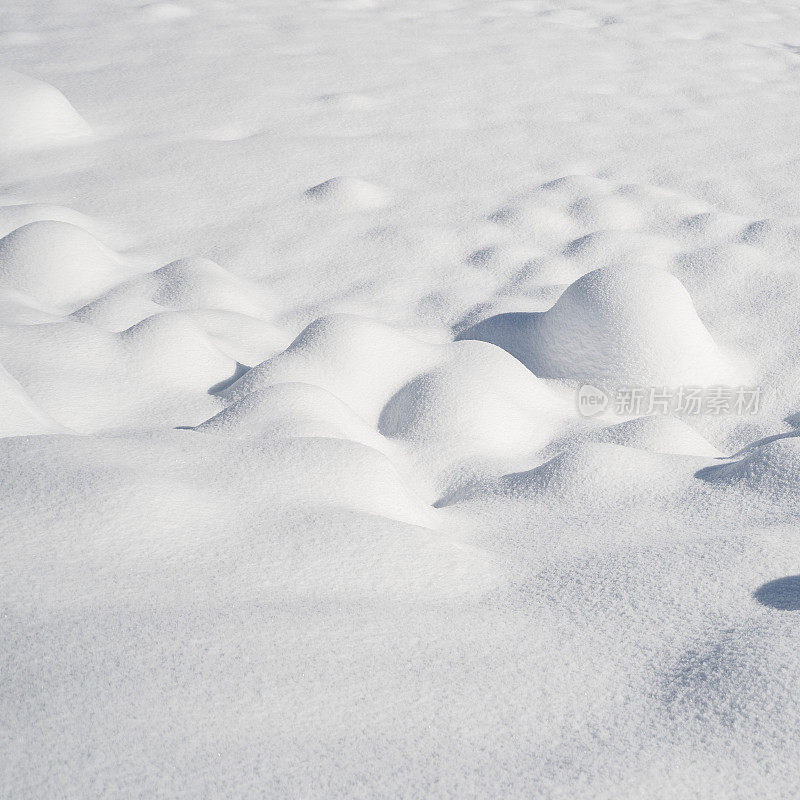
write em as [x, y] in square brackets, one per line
[782, 593]
[238, 371]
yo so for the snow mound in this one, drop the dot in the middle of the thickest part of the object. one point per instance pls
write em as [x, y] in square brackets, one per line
[478, 403]
[349, 101]
[169, 348]
[34, 114]
[199, 283]
[614, 326]
[19, 416]
[595, 475]
[771, 468]
[187, 284]
[360, 361]
[545, 225]
[713, 225]
[17, 215]
[297, 410]
[583, 479]
[159, 372]
[610, 211]
[189, 491]
[249, 340]
[729, 265]
[609, 248]
[58, 263]
[335, 472]
[349, 192]
[164, 12]
[574, 186]
[658, 433]
[17, 308]
[781, 234]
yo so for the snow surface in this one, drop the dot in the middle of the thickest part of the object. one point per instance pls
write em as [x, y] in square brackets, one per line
[295, 300]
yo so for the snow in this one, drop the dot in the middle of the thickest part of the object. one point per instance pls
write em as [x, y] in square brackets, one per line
[57, 263]
[35, 114]
[297, 302]
[349, 192]
[625, 326]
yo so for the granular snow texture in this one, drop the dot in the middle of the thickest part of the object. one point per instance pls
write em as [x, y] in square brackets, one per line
[296, 305]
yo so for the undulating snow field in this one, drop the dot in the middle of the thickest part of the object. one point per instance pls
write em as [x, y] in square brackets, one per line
[298, 499]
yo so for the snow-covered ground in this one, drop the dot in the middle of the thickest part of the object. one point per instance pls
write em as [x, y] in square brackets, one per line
[307, 309]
